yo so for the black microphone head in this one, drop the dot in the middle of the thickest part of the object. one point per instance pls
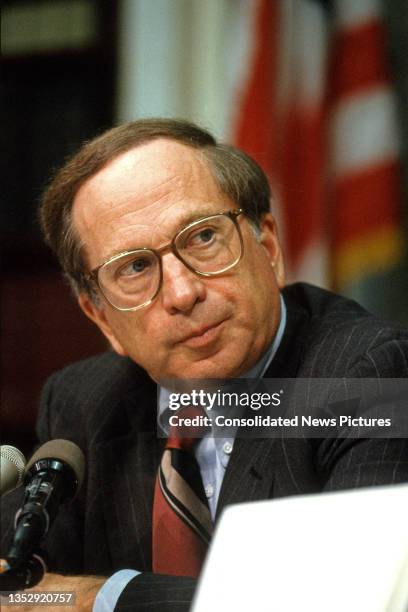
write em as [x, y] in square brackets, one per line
[63, 451]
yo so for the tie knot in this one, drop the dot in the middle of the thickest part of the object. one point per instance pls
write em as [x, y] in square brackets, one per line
[189, 426]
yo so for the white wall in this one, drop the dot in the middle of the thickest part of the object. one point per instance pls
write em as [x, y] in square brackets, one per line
[175, 60]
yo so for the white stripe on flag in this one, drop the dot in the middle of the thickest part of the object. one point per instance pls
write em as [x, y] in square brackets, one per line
[354, 13]
[313, 265]
[307, 32]
[363, 131]
[300, 74]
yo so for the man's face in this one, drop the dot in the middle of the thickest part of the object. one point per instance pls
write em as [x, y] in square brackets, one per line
[197, 327]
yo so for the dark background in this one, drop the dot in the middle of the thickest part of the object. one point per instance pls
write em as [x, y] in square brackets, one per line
[51, 100]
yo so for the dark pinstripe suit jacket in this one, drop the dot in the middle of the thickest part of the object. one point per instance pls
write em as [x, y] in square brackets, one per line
[107, 406]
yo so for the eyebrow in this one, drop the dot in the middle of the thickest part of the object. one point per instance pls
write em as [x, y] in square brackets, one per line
[194, 216]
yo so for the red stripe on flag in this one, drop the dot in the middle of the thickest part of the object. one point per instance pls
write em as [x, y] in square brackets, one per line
[358, 60]
[302, 187]
[366, 201]
[256, 121]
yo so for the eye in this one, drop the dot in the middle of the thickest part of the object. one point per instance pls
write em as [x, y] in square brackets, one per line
[206, 234]
[135, 267]
[202, 237]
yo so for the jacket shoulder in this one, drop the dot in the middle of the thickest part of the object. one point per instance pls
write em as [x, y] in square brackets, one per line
[341, 334]
[85, 394]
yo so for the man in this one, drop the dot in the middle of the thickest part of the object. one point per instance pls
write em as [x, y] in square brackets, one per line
[169, 243]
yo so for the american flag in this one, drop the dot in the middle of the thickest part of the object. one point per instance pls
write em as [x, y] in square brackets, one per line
[314, 105]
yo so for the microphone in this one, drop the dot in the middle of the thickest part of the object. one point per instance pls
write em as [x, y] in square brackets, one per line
[53, 475]
[12, 463]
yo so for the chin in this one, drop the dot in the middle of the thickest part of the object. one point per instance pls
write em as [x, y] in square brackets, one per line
[206, 370]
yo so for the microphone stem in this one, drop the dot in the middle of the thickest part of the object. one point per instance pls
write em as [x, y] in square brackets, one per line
[30, 528]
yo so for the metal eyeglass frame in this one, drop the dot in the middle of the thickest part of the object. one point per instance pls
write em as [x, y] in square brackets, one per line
[93, 276]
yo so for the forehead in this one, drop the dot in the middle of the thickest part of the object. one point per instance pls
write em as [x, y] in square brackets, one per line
[143, 196]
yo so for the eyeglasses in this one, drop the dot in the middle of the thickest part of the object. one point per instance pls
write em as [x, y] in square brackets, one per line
[208, 247]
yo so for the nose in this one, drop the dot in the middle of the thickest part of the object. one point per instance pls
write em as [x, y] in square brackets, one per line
[181, 289]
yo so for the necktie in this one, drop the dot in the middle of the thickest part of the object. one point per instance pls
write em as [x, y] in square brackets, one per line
[182, 523]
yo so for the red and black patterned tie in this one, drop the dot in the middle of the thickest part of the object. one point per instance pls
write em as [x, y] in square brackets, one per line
[182, 524]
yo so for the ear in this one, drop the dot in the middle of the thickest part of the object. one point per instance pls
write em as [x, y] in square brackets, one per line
[270, 241]
[98, 316]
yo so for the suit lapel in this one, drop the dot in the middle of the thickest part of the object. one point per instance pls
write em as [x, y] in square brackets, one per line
[128, 464]
[251, 469]
[250, 473]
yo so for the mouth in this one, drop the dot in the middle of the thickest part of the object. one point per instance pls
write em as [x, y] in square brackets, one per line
[203, 335]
